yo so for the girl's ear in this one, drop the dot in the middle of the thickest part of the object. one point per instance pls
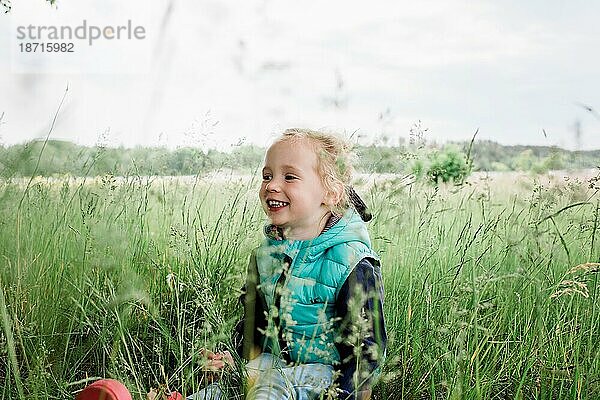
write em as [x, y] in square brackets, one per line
[333, 197]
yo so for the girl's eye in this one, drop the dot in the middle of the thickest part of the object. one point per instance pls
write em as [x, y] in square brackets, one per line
[266, 177]
[290, 177]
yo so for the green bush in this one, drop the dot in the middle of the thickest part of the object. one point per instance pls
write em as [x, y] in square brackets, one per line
[445, 165]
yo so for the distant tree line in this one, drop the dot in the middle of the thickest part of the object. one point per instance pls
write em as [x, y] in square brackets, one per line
[62, 157]
[479, 156]
[491, 156]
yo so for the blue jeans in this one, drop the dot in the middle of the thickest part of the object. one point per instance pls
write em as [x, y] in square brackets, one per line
[269, 378]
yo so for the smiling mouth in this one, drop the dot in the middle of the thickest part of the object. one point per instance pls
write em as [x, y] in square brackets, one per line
[276, 204]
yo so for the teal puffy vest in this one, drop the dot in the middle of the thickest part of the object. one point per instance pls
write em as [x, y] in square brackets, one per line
[306, 299]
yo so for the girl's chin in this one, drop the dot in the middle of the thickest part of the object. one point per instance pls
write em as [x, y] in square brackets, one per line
[277, 221]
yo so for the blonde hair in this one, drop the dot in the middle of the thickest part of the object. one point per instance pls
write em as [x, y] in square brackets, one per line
[334, 162]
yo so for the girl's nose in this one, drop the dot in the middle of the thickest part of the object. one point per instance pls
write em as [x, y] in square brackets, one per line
[272, 186]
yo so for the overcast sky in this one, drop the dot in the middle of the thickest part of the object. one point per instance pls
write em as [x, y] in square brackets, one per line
[217, 73]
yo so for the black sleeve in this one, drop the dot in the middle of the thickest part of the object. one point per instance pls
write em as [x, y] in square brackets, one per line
[362, 331]
[249, 331]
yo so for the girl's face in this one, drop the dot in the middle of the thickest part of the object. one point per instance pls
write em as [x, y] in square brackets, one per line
[291, 193]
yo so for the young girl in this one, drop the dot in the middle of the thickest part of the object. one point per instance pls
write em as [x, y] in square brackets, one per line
[313, 318]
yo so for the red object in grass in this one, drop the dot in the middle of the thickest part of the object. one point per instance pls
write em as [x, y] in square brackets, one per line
[175, 396]
[105, 389]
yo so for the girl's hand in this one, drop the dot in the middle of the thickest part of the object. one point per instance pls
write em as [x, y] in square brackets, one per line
[216, 361]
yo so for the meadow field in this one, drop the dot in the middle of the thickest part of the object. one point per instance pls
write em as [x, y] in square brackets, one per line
[490, 287]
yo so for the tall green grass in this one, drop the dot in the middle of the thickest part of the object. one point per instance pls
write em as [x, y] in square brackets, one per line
[128, 278]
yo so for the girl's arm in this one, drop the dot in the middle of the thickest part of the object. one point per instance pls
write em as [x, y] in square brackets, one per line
[363, 340]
